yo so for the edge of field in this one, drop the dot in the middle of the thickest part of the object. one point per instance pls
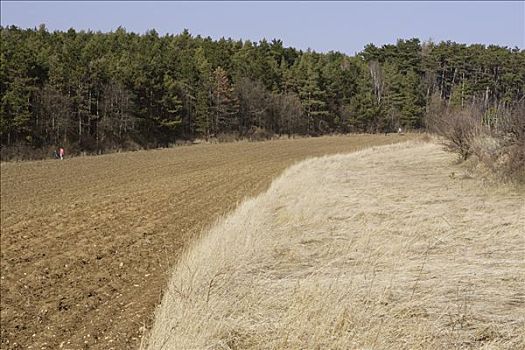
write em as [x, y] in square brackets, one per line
[81, 236]
[369, 264]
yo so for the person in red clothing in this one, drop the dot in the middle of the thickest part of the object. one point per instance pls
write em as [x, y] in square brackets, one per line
[61, 153]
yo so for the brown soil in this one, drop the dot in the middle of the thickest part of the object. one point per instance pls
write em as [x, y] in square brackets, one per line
[87, 243]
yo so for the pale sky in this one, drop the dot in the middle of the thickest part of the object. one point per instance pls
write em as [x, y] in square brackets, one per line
[322, 26]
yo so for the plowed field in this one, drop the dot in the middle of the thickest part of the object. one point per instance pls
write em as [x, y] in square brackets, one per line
[87, 243]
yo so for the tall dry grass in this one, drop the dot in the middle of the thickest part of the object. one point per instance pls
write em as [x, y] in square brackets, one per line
[386, 248]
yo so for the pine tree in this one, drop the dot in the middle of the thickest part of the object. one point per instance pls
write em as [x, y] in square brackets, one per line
[171, 103]
[312, 96]
[203, 97]
[363, 108]
[225, 104]
[413, 102]
[14, 108]
[96, 90]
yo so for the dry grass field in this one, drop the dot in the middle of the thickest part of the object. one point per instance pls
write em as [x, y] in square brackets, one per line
[87, 243]
[388, 248]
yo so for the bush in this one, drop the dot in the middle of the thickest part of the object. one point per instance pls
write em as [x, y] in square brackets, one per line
[458, 127]
[23, 152]
[259, 134]
[228, 137]
[498, 142]
[512, 140]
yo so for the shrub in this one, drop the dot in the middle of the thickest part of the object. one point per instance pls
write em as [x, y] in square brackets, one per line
[260, 134]
[228, 137]
[496, 137]
[459, 128]
[512, 136]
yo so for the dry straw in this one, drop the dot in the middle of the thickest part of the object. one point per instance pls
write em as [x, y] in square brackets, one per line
[385, 248]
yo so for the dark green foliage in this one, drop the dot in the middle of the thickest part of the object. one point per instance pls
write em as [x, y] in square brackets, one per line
[97, 91]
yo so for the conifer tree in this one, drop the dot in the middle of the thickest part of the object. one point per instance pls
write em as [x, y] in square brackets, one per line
[225, 104]
[203, 96]
[93, 91]
[312, 96]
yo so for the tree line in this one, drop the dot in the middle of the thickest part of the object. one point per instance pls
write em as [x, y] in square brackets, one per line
[92, 91]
